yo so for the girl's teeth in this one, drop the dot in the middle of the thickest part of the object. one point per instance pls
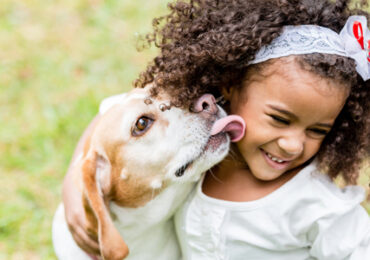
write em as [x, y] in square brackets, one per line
[274, 158]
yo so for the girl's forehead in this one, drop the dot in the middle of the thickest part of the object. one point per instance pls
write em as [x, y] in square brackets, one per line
[291, 72]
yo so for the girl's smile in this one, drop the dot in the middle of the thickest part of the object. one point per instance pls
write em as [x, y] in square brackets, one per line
[288, 112]
[275, 162]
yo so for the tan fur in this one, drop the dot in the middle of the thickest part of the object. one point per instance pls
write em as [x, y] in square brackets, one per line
[133, 192]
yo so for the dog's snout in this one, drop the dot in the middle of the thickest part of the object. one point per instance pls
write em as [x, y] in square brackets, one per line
[206, 103]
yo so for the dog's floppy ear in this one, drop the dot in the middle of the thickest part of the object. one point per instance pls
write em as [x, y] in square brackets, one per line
[111, 244]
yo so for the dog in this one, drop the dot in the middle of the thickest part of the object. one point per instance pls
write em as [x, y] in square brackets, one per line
[139, 164]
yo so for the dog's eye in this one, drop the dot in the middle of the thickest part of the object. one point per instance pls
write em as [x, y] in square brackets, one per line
[142, 125]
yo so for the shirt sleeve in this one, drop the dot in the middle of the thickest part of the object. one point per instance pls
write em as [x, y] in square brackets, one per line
[342, 233]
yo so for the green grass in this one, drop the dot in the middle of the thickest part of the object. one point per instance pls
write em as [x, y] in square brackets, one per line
[58, 60]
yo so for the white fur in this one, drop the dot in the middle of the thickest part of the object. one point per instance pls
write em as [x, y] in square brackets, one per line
[123, 174]
[78, 158]
[156, 184]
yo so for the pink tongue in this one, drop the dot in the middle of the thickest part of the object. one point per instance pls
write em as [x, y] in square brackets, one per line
[234, 125]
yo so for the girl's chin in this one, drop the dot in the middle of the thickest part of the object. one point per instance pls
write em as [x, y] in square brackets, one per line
[264, 172]
[266, 177]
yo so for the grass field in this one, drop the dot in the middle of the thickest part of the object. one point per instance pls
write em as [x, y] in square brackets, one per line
[58, 60]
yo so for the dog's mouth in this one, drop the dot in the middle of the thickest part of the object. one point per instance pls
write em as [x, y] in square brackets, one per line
[180, 172]
[213, 141]
[232, 125]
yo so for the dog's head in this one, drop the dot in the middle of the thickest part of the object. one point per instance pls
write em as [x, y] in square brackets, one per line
[142, 144]
[147, 138]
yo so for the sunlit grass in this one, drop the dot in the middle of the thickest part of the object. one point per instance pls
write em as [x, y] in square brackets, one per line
[58, 60]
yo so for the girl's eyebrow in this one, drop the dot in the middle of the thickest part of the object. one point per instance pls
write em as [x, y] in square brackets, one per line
[294, 117]
[325, 125]
[283, 111]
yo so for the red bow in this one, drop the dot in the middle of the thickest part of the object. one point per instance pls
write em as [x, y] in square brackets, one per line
[359, 35]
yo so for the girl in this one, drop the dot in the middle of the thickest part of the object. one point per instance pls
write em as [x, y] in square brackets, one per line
[297, 72]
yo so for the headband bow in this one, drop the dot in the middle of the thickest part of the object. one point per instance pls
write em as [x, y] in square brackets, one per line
[355, 37]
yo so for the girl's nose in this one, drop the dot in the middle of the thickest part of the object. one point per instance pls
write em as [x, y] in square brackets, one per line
[206, 103]
[292, 144]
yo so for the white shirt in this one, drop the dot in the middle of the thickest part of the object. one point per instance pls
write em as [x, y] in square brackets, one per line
[307, 218]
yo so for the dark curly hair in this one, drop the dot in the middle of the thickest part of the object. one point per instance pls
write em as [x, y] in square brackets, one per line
[206, 45]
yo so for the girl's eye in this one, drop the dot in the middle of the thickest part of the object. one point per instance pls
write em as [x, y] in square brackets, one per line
[320, 132]
[142, 125]
[280, 120]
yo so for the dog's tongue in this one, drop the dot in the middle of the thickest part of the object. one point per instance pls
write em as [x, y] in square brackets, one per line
[233, 125]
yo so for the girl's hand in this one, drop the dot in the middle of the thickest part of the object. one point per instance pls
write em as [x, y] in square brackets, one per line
[73, 203]
[75, 217]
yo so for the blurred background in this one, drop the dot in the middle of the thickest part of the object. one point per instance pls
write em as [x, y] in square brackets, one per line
[58, 60]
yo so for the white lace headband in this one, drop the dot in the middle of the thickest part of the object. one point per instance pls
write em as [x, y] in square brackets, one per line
[353, 42]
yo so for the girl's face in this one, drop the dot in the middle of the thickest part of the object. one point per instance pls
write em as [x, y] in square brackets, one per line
[288, 112]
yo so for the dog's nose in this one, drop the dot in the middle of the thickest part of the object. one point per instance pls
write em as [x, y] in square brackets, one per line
[206, 103]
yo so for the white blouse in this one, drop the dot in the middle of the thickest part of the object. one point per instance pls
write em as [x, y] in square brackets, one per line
[306, 218]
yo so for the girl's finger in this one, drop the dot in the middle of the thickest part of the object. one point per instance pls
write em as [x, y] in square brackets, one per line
[88, 244]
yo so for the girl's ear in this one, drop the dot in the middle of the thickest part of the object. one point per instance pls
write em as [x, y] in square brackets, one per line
[227, 92]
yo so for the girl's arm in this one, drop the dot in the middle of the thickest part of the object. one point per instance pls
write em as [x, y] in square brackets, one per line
[72, 200]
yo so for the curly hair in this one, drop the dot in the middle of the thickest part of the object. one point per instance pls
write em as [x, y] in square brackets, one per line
[206, 46]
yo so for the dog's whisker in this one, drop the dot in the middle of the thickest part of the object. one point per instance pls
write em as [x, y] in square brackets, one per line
[220, 100]
[233, 156]
[214, 176]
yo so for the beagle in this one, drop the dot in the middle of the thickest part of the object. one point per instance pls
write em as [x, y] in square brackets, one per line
[139, 164]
